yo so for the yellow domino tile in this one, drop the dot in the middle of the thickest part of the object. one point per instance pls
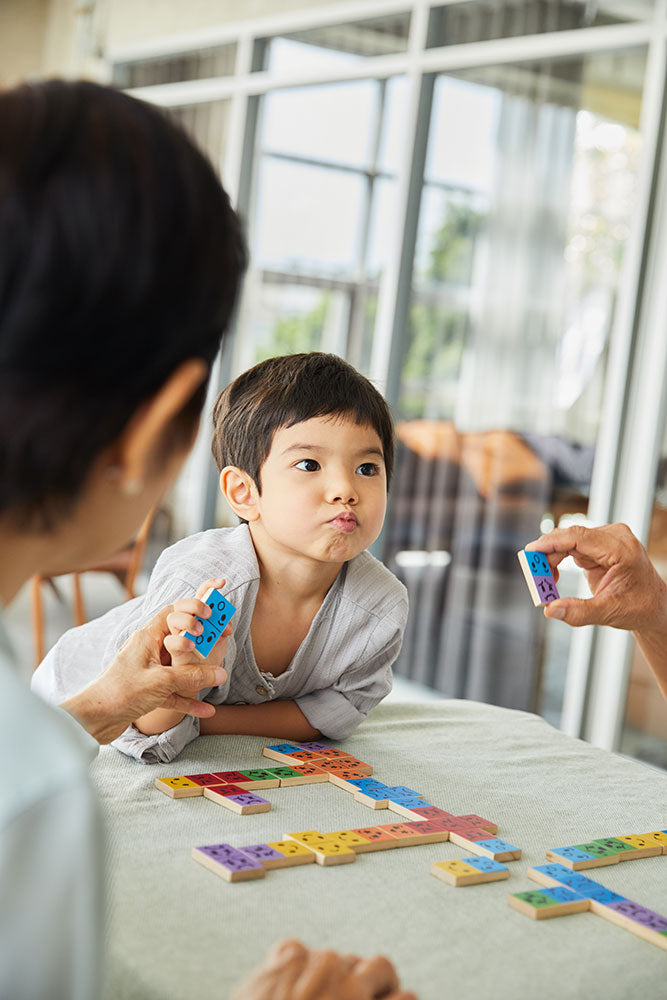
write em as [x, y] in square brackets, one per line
[640, 846]
[306, 837]
[456, 867]
[179, 787]
[290, 848]
[333, 852]
[353, 840]
[658, 837]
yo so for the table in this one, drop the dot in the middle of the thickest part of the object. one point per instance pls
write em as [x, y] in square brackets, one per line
[176, 930]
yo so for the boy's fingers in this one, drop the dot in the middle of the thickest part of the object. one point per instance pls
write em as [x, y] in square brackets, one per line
[216, 583]
[180, 621]
[191, 606]
[178, 644]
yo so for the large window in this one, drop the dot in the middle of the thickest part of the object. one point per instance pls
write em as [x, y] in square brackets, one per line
[458, 198]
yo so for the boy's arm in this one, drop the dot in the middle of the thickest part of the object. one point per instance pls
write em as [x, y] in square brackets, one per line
[158, 721]
[274, 718]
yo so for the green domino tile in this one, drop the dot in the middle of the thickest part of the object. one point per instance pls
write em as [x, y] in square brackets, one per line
[536, 899]
[283, 772]
[605, 847]
[615, 845]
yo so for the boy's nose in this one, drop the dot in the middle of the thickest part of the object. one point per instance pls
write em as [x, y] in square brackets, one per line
[342, 491]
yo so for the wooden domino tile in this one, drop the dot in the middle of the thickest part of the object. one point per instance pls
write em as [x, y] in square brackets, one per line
[287, 775]
[213, 626]
[304, 774]
[378, 838]
[259, 777]
[179, 787]
[469, 871]
[354, 840]
[231, 777]
[539, 578]
[283, 753]
[547, 903]
[294, 854]
[345, 779]
[639, 846]
[431, 831]
[203, 779]
[472, 820]
[605, 903]
[404, 833]
[326, 850]
[237, 799]
[480, 843]
[228, 862]
[276, 855]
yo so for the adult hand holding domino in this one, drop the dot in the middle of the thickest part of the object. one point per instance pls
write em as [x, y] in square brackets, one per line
[202, 620]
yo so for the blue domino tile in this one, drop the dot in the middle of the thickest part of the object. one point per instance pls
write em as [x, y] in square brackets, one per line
[538, 564]
[571, 853]
[485, 864]
[562, 895]
[586, 887]
[404, 792]
[497, 845]
[369, 783]
[286, 748]
[214, 626]
[378, 794]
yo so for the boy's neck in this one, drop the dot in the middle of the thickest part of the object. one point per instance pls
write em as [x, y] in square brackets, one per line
[289, 575]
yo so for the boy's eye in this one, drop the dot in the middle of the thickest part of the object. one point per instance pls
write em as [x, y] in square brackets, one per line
[308, 465]
[368, 469]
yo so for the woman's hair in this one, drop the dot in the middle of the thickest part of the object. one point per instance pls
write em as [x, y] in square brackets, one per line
[284, 391]
[120, 258]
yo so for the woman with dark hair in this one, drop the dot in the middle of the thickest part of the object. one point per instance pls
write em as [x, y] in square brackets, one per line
[120, 261]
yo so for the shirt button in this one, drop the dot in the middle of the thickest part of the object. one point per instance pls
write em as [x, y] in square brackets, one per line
[260, 689]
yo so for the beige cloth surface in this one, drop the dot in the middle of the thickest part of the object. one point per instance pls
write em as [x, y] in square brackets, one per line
[176, 930]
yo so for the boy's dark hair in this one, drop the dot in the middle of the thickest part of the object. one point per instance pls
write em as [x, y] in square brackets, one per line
[284, 391]
[120, 258]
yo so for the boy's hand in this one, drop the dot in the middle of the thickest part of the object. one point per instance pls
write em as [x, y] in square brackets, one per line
[183, 618]
[293, 972]
[140, 679]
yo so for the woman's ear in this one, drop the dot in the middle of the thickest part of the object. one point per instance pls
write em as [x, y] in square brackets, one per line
[138, 442]
[240, 492]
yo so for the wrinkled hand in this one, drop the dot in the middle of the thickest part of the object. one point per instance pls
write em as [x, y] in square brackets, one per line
[627, 591]
[293, 972]
[141, 678]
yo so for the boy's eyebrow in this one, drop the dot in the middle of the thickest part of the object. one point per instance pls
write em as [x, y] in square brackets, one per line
[320, 447]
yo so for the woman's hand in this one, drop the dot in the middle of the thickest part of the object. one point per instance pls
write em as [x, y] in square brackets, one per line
[628, 592]
[141, 678]
[293, 972]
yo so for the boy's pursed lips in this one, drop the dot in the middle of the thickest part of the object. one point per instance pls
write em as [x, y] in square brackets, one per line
[344, 521]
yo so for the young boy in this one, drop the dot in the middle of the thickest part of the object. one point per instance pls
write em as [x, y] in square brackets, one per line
[304, 445]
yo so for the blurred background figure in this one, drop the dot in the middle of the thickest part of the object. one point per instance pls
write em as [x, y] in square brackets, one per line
[482, 232]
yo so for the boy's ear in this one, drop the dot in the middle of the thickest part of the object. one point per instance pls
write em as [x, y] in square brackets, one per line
[240, 492]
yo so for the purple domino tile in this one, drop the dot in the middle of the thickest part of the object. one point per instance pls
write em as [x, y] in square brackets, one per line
[647, 918]
[546, 588]
[229, 857]
[262, 852]
[315, 746]
[246, 799]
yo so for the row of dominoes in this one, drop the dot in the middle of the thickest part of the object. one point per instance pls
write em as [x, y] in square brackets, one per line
[236, 790]
[610, 850]
[566, 891]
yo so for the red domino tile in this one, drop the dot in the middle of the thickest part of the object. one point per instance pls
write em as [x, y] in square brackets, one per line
[227, 790]
[432, 812]
[229, 777]
[204, 779]
[472, 820]
[429, 826]
[472, 833]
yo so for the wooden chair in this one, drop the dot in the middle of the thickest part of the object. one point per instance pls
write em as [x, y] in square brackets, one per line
[124, 565]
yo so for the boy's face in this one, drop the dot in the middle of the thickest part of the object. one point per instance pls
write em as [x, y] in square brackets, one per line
[324, 489]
